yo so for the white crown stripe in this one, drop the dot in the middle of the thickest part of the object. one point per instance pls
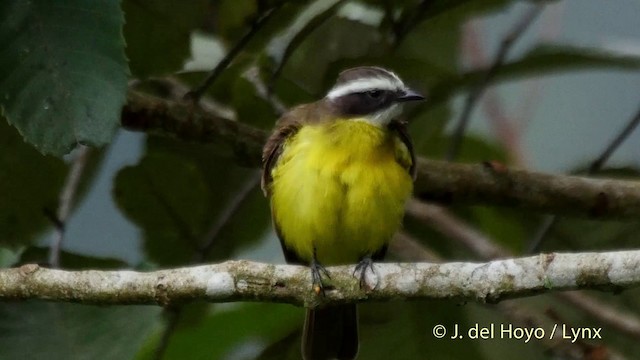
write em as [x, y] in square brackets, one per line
[362, 85]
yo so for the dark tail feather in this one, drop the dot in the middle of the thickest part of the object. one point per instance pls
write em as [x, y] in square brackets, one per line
[331, 333]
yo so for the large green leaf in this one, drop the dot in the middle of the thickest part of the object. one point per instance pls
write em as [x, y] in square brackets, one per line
[170, 200]
[435, 29]
[63, 74]
[235, 197]
[242, 330]
[30, 184]
[39, 330]
[191, 204]
[158, 34]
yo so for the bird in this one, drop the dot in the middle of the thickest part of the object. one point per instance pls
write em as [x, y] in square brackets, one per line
[338, 172]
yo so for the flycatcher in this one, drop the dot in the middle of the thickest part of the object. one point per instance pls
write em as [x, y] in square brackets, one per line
[338, 173]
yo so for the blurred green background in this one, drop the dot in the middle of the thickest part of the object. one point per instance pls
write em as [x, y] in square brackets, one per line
[568, 86]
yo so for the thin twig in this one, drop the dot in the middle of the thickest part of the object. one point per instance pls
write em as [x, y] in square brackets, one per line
[298, 39]
[548, 223]
[550, 220]
[558, 346]
[174, 315]
[501, 123]
[407, 248]
[549, 31]
[617, 141]
[253, 75]
[238, 199]
[622, 321]
[474, 95]
[258, 24]
[449, 225]
[66, 200]
[409, 20]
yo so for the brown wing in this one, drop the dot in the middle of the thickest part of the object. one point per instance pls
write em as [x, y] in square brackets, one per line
[400, 127]
[272, 150]
[286, 127]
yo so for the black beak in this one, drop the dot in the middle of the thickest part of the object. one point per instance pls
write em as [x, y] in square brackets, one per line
[409, 95]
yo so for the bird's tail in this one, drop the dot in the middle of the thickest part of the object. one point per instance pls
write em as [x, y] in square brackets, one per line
[331, 333]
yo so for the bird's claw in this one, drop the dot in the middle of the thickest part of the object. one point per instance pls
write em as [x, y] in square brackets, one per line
[365, 264]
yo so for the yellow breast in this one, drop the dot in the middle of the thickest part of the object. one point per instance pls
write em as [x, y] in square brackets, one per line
[340, 189]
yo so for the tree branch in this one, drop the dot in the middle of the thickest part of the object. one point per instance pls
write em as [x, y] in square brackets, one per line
[188, 122]
[535, 244]
[568, 195]
[437, 180]
[410, 249]
[250, 281]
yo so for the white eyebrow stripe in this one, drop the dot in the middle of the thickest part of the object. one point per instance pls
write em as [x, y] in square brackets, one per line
[363, 85]
[396, 77]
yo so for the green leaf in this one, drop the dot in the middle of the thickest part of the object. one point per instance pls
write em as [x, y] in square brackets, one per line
[436, 27]
[542, 60]
[158, 34]
[170, 200]
[474, 148]
[40, 330]
[397, 330]
[251, 109]
[63, 74]
[8, 257]
[315, 70]
[508, 228]
[30, 186]
[182, 195]
[426, 127]
[236, 202]
[282, 45]
[404, 331]
[243, 329]
[231, 17]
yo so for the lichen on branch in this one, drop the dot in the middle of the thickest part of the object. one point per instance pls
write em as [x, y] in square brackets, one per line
[250, 281]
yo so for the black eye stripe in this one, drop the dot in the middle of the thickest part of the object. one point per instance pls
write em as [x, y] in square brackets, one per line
[364, 102]
[375, 94]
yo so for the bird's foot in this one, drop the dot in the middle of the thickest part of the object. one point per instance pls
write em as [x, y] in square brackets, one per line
[317, 272]
[366, 263]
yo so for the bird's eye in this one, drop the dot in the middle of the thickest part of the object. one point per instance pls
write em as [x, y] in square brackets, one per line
[374, 94]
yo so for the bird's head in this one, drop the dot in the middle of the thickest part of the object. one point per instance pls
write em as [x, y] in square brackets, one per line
[370, 93]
